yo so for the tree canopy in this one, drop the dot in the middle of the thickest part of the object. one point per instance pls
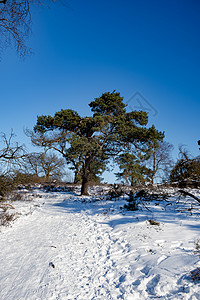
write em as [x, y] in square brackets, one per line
[88, 143]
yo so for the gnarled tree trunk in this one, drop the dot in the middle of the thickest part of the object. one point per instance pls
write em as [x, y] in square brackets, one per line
[85, 185]
[85, 177]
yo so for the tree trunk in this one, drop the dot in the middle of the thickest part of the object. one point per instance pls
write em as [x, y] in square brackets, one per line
[132, 183]
[85, 185]
[154, 167]
[85, 177]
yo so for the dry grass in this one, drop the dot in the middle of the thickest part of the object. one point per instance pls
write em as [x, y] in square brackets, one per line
[195, 274]
[6, 218]
[152, 222]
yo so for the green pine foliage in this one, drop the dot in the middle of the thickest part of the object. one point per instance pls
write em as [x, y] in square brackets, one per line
[133, 170]
[132, 202]
[88, 143]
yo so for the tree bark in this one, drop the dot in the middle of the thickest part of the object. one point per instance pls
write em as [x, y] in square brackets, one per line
[85, 185]
[85, 176]
[154, 167]
[47, 177]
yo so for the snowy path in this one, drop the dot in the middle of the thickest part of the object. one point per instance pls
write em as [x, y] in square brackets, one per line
[72, 250]
[77, 247]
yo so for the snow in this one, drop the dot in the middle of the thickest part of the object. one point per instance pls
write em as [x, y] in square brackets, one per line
[61, 247]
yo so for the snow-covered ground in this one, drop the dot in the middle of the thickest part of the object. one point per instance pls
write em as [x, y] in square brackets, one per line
[63, 248]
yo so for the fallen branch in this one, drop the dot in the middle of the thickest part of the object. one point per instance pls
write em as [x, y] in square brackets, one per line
[189, 194]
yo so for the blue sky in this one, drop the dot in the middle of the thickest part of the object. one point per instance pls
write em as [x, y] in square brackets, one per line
[89, 47]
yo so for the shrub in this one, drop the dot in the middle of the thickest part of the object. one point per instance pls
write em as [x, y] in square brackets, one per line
[115, 192]
[6, 218]
[6, 186]
[132, 202]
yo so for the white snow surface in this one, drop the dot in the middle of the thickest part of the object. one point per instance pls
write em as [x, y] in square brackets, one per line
[63, 248]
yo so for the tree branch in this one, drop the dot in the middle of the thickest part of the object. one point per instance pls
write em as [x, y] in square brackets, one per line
[189, 194]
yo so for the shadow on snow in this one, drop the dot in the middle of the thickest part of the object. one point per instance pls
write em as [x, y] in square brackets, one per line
[115, 215]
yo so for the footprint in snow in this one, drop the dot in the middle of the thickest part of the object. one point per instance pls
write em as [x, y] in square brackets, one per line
[145, 270]
[136, 283]
[122, 278]
[151, 285]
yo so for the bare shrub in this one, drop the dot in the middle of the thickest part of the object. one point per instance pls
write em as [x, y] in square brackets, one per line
[6, 218]
[115, 192]
[195, 274]
[6, 187]
[153, 222]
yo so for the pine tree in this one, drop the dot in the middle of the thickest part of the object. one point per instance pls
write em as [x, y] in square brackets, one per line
[133, 170]
[88, 143]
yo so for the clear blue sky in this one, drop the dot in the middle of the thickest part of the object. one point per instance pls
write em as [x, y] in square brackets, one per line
[91, 47]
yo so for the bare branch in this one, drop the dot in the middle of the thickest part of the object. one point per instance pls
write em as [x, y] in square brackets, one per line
[15, 23]
[10, 151]
[185, 193]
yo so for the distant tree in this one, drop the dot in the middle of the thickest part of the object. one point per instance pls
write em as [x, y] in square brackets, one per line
[140, 165]
[15, 22]
[89, 141]
[47, 165]
[52, 166]
[11, 152]
[160, 161]
[132, 169]
[32, 164]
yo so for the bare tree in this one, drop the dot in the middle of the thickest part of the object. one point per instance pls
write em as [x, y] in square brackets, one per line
[47, 165]
[52, 166]
[10, 152]
[184, 153]
[160, 161]
[32, 164]
[15, 23]
[56, 142]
